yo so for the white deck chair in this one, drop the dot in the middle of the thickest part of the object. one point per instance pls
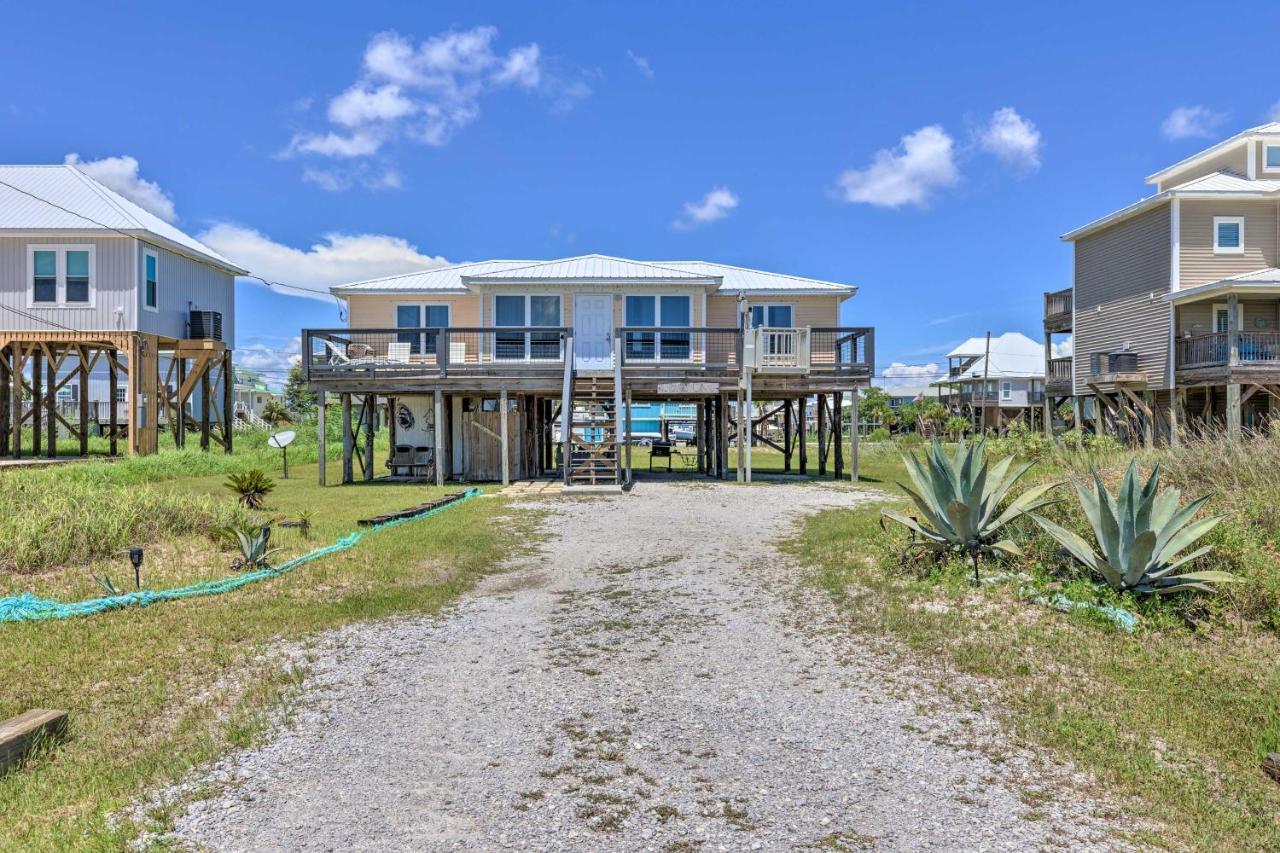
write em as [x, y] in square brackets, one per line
[336, 353]
[399, 351]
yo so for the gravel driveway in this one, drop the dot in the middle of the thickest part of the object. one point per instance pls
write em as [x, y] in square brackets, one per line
[657, 679]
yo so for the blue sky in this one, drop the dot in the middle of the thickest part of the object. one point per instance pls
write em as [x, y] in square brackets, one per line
[929, 153]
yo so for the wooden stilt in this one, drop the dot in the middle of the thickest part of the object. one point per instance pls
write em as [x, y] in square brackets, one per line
[628, 436]
[837, 424]
[84, 401]
[51, 404]
[113, 415]
[439, 438]
[180, 413]
[17, 358]
[803, 430]
[698, 436]
[228, 402]
[502, 428]
[206, 403]
[321, 437]
[348, 440]
[746, 425]
[722, 433]
[822, 435]
[6, 387]
[1177, 416]
[853, 435]
[370, 427]
[37, 400]
[1233, 410]
[742, 427]
[787, 442]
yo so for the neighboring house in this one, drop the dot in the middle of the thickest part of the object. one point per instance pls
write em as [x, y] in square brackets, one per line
[252, 394]
[101, 296]
[997, 383]
[505, 355]
[1175, 303]
[655, 420]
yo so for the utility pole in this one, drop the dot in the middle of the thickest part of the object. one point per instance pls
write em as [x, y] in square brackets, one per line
[986, 371]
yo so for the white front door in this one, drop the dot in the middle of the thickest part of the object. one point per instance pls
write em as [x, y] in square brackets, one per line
[593, 331]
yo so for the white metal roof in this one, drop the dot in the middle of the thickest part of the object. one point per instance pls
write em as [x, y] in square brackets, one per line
[1271, 128]
[1228, 182]
[591, 268]
[63, 198]
[595, 269]
[1013, 354]
[1265, 280]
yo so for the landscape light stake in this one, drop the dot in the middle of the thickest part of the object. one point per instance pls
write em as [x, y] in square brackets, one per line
[135, 557]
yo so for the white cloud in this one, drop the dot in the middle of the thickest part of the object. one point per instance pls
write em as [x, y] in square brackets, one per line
[337, 259]
[716, 204]
[1191, 122]
[273, 360]
[922, 164]
[1273, 114]
[338, 180]
[1013, 139]
[429, 91]
[949, 318]
[641, 63]
[1064, 348]
[121, 174]
[900, 375]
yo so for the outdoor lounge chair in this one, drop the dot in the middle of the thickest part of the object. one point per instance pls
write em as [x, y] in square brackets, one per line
[399, 351]
[409, 461]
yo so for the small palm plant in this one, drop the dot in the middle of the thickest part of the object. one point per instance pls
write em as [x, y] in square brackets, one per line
[1140, 532]
[252, 486]
[959, 496]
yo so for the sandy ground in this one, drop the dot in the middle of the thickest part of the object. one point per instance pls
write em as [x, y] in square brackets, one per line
[659, 678]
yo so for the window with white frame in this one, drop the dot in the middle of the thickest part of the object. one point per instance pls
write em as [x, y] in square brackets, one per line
[417, 316]
[772, 316]
[1006, 390]
[1228, 235]
[1271, 158]
[656, 311]
[150, 281]
[525, 311]
[61, 275]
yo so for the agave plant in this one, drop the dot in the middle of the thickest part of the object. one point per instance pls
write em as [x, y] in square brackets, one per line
[959, 498]
[1141, 532]
[252, 486]
[254, 551]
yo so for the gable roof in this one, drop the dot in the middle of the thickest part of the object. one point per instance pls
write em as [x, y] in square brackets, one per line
[1271, 128]
[592, 268]
[1013, 354]
[454, 278]
[63, 198]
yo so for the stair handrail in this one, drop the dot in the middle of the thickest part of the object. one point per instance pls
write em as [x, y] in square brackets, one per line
[617, 407]
[566, 411]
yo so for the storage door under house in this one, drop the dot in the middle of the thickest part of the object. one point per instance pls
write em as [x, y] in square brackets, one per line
[482, 438]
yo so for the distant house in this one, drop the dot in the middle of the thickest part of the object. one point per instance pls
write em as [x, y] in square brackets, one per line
[252, 394]
[998, 387]
[104, 301]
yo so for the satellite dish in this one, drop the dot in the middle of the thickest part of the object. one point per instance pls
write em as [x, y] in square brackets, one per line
[282, 439]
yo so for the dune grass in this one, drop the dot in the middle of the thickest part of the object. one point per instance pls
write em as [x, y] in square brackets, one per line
[155, 691]
[1173, 721]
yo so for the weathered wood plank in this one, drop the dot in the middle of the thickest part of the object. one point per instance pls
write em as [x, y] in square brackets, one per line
[20, 734]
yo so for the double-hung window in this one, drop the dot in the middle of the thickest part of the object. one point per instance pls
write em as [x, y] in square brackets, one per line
[419, 317]
[1228, 235]
[150, 281]
[61, 275]
[514, 315]
[658, 312]
[1006, 390]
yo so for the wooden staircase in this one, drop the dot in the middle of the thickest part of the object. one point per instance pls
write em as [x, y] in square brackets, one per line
[593, 454]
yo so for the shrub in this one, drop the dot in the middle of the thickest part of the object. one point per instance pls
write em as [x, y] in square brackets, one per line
[253, 540]
[275, 413]
[1141, 534]
[959, 497]
[252, 486]
[878, 434]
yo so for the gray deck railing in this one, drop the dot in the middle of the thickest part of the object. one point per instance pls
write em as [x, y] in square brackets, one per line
[1102, 363]
[1214, 349]
[1058, 370]
[683, 348]
[845, 350]
[1058, 303]
[433, 351]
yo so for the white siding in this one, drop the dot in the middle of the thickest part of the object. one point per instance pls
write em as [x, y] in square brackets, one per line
[184, 285]
[113, 283]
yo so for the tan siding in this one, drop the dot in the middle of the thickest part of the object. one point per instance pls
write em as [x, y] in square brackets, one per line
[1199, 264]
[722, 309]
[1234, 160]
[1197, 318]
[1120, 274]
[378, 311]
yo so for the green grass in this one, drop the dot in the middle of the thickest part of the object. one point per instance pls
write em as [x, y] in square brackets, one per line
[1172, 721]
[155, 691]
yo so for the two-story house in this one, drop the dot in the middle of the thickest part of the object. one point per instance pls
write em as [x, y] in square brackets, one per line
[95, 289]
[484, 366]
[994, 382]
[1175, 303]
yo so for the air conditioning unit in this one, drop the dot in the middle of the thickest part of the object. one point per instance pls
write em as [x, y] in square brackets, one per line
[206, 325]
